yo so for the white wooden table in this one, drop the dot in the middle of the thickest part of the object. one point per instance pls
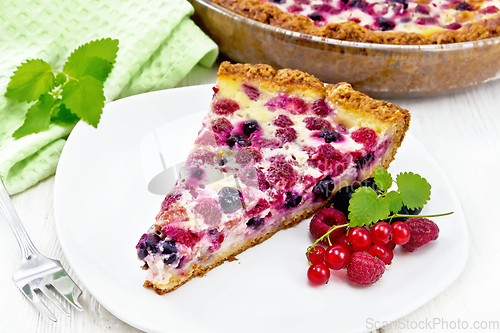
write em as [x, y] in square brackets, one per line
[461, 131]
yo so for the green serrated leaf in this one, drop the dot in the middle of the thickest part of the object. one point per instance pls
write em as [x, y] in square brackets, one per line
[37, 118]
[366, 207]
[85, 98]
[98, 68]
[394, 200]
[60, 79]
[80, 60]
[415, 191]
[31, 80]
[63, 116]
[383, 179]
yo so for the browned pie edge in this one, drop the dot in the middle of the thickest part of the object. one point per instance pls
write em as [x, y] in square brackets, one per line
[350, 31]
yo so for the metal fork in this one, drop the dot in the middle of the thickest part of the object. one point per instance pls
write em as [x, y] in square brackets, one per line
[38, 272]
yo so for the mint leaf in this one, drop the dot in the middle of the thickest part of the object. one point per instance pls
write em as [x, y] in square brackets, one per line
[64, 97]
[85, 98]
[62, 116]
[395, 201]
[366, 207]
[80, 62]
[98, 68]
[32, 79]
[37, 117]
[60, 79]
[415, 191]
[383, 179]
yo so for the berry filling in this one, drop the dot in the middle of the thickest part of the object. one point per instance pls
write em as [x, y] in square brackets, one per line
[389, 15]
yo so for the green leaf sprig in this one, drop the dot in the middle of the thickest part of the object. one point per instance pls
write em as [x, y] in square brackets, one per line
[64, 97]
[368, 206]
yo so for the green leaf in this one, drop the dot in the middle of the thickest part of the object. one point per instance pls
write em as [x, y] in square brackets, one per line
[383, 179]
[366, 207]
[31, 80]
[63, 116]
[85, 98]
[60, 79]
[395, 201]
[415, 191]
[37, 117]
[81, 60]
[98, 68]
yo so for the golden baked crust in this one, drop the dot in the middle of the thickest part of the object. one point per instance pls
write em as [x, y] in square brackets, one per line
[350, 31]
[351, 107]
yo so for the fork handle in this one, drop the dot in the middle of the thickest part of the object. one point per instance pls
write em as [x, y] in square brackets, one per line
[9, 212]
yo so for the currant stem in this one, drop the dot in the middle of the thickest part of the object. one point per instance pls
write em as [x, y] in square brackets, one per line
[312, 247]
[408, 215]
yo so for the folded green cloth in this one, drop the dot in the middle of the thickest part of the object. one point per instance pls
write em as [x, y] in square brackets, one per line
[159, 45]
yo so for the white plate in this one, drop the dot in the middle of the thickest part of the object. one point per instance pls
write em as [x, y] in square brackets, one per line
[103, 206]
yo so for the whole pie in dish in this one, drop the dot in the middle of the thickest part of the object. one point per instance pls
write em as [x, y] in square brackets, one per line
[272, 150]
[402, 22]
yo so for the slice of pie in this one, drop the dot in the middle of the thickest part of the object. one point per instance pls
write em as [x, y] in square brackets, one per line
[273, 149]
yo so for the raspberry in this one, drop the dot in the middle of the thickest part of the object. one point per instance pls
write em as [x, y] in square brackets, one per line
[316, 124]
[169, 200]
[294, 105]
[248, 155]
[261, 142]
[323, 220]
[281, 173]
[364, 269]
[422, 232]
[216, 238]
[222, 127]
[277, 103]
[209, 211]
[225, 106]
[259, 207]
[326, 158]
[207, 139]
[365, 136]
[186, 237]
[286, 134]
[282, 121]
[320, 108]
[253, 177]
[252, 92]
[200, 157]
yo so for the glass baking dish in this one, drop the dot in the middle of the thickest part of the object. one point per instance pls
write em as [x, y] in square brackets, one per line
[380, 70]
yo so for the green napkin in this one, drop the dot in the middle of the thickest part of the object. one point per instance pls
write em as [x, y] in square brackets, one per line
[159, 45]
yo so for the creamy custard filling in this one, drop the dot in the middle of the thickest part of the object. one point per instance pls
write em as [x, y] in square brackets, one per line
[423, 16]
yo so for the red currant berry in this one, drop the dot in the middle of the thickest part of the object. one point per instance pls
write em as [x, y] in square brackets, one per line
[318, 274]
[337, 256]
[390, 245]
[380, 233]
[359, 238]
[343, 240]
[381, 252]
[400, 233]
[317, 255]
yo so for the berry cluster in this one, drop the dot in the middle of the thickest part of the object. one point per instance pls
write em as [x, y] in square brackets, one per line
[363, 251]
